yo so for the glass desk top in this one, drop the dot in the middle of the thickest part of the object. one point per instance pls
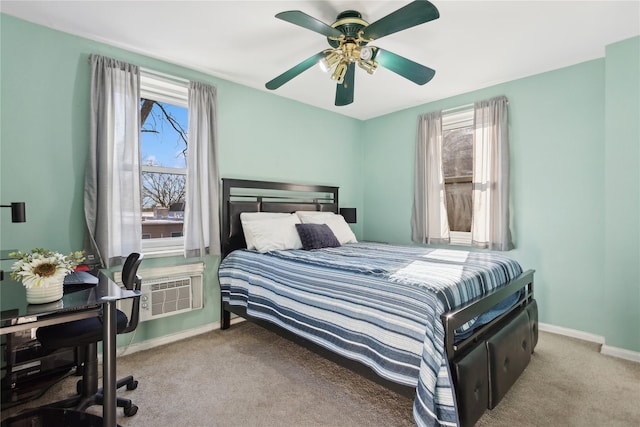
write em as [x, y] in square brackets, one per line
[14, 306]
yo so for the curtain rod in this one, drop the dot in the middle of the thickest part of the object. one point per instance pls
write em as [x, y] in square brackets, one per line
[155, 73]
[458, 108]
[162, 75]
[461, 107]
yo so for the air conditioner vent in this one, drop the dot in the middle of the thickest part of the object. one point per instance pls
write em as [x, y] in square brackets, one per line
[167, 291]
[167, 297]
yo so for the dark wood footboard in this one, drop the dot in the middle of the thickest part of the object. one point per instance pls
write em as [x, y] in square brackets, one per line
[452, 320]
[485, 365]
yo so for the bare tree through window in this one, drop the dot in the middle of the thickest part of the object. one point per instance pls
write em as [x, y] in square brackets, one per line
[164, 150]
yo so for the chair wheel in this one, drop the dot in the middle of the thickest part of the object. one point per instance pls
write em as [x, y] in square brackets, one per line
[130, 410]
[132, 385]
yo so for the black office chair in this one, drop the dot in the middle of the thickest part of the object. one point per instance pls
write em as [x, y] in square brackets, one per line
[85, 334]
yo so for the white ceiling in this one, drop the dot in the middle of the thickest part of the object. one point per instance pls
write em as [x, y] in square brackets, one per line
[473, 44]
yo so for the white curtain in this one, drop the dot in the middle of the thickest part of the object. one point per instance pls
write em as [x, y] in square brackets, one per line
[201, 219]
[429, 223]
[490, 224]
[112, 182]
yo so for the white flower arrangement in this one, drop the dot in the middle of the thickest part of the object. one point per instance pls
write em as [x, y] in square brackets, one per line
[42, 267]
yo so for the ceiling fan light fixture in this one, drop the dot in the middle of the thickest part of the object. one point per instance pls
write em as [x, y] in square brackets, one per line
[366, 53]
[331, 60]
[340, 72]
[369, 66]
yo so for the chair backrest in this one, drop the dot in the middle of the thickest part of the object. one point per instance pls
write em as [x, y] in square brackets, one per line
[132, 281]
[130, 270]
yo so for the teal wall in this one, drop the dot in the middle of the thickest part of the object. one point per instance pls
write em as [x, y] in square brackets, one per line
[622, 194]
[575, 188]
[44, 105]
[570, 132]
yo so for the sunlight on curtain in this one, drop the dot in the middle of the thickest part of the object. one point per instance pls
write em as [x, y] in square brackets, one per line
[429, 223]
[112, 179]
[490, 224]
[201, 222]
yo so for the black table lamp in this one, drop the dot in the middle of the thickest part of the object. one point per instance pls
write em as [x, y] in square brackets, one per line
[349, 215]
[17, 211]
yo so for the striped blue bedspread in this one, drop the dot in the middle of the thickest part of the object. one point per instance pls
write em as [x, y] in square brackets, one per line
[375, 303]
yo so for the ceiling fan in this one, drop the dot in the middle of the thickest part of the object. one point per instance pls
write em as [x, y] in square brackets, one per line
[349, 37]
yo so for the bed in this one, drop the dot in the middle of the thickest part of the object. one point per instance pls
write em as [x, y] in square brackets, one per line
[452, 329]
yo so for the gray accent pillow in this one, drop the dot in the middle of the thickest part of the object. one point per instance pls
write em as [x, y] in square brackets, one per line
[316, 236]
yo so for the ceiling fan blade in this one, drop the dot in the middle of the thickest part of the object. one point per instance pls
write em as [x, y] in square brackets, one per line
[415, 13]
[294, 71]
[404, 67]
[309, 22]
[344, 90]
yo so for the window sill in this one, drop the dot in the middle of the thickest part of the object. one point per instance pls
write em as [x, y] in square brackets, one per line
[160, 253]
[163, 247]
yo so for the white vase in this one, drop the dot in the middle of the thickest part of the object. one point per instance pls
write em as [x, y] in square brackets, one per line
[45, 294]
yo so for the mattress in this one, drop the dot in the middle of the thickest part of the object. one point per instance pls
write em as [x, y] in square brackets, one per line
[375, 303]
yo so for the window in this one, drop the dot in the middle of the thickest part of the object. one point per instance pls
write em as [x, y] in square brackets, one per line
[163, 139]
[457, 168]
[449, 145]
[118, 91]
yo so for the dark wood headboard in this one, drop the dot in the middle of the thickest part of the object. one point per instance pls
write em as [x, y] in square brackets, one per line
[239, 195]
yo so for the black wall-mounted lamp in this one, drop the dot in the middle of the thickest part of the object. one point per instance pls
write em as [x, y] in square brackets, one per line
[17, 211]
[349, 215]
[17, 215]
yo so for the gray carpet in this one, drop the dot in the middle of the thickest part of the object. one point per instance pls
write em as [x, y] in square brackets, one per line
[247, 376]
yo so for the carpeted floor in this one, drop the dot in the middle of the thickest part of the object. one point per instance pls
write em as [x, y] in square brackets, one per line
[247, 376]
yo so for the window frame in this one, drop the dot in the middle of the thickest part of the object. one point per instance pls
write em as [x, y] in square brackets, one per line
[173, 90]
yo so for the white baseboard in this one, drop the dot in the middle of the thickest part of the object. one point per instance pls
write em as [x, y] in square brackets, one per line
[621, 353]
[573, 333]
[168, 339]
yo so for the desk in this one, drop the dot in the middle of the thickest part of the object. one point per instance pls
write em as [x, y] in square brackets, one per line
[17, 315]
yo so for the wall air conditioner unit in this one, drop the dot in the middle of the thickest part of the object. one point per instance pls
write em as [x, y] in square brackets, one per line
[167, 291]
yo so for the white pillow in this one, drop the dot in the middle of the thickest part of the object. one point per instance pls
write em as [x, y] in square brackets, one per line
[336, 223]
[257, 216]
[272, 234]
[303, 215]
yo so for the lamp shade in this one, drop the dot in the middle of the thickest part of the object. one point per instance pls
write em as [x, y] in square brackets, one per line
[17, 211]
[349, 215]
